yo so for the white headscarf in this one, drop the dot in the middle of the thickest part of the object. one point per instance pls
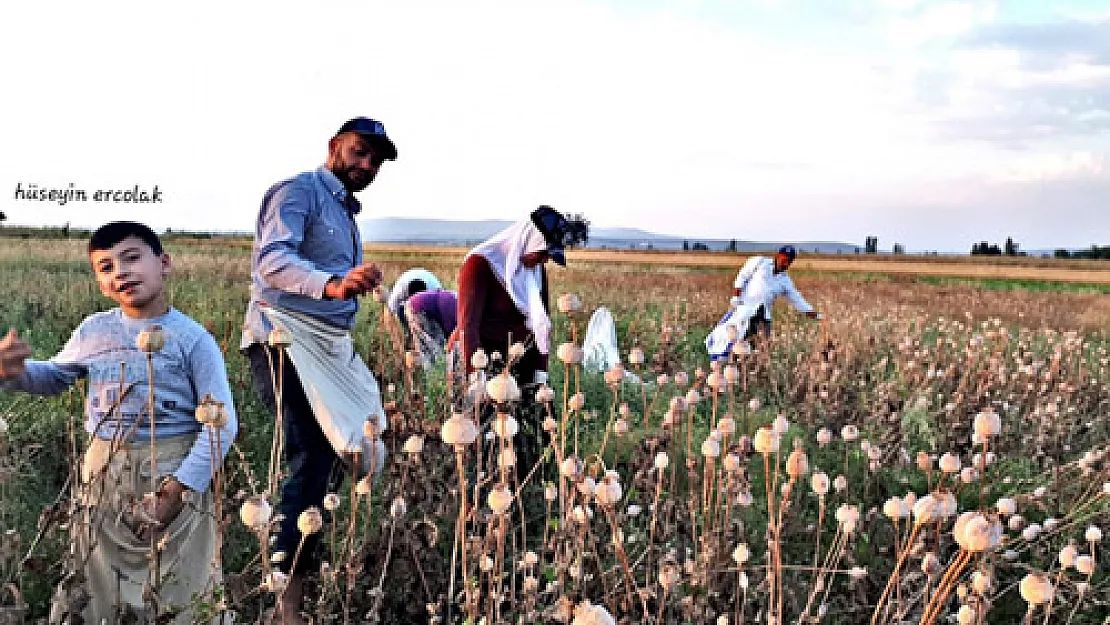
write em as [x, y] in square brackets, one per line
[525, 286]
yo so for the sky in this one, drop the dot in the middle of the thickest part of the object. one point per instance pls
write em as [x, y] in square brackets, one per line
[930, 123]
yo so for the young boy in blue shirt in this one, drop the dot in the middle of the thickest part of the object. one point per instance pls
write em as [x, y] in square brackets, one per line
[124, 505]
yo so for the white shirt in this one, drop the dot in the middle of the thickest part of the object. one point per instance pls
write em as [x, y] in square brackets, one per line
[760, 285]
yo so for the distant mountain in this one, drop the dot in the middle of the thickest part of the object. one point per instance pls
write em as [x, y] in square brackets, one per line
[456, 232]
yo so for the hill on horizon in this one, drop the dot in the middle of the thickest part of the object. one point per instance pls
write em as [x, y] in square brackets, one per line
[460, 232]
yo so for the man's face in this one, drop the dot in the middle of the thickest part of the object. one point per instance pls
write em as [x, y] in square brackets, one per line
[782, 261]
[131, 274]
[354, 160]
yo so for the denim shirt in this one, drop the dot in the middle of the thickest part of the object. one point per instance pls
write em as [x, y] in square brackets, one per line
[306, 234]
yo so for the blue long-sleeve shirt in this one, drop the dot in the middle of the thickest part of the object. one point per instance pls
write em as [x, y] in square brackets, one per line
[188, 367]
[306, 233]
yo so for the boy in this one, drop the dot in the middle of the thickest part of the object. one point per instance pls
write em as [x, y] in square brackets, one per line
[125, 507]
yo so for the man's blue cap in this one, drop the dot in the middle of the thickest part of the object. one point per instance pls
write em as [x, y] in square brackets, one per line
[789, 251]
[374, 131]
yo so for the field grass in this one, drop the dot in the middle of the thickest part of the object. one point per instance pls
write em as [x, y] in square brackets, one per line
[908, 356]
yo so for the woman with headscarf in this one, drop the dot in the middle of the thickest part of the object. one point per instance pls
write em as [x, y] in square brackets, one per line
[503, 295]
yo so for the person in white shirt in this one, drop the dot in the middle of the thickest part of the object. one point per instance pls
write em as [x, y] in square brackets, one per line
[760, 281]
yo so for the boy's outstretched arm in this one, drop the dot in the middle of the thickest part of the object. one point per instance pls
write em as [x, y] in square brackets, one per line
[14, 352]
[40, 377]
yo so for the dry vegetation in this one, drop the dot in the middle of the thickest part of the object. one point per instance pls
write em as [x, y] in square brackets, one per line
[931, 452]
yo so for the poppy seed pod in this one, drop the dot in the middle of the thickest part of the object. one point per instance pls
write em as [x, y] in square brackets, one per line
[741, 554]
[414, 444]
[950, 463]
[819, 483]
[636, 356]
[256, 512]
[499, 499]
[211, 412]
[576, 401]
[479, 360]
[797, 464]
[1036, 589]
[849, 433]
[151, 339]
[459, 431]
[505, 425]
[570, 354]
[824, 437]
[766, 441]
[726, 426]
[569, 303]
[397, 509]
[503, 389]
[310, 521]
[331, 502]
[711, 447]
[987, 424]
[545, 394]
[614, 375]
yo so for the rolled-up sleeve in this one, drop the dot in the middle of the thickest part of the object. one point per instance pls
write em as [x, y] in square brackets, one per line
[281, 231]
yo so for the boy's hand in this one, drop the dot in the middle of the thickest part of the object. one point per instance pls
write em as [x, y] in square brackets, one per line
[13, 351]
[168, 504]
[358, 281]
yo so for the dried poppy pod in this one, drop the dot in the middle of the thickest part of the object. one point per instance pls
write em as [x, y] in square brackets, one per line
[570, 353]
[397, 509]
[503, 388]
[987, 424]
[614, 375]
[741, 554]
[151, 339]
[211, 412]
[797, 464]
[545, 394]
[569, 303]
[974, 532]
[310, 521]
[499, 499]
[459, 431]
[819, 483]
[414, 445]
[279, 338]
[479, 360]
[1036, 589]
[505, 425]
[589, 614]
[609, 492]
[766, 441]
[331, 502]
[636, 356]
[711, 447]
[256, 512]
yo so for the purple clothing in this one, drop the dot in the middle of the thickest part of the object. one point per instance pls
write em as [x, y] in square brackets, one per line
[438, 305]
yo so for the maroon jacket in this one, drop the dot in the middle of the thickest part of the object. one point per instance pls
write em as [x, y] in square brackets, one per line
[487, 316]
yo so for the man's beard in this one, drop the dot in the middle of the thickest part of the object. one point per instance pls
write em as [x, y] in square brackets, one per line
[344, 173]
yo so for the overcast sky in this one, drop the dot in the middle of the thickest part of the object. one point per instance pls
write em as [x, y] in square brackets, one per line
[934, 123]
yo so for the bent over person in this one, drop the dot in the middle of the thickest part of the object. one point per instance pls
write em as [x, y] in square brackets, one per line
[144, 530]
[307, 270]
[503, 296]
[758, 284]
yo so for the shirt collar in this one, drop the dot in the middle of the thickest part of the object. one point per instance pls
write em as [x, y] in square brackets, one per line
[338, 191]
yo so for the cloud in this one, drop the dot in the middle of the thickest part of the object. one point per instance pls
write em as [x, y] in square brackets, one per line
[1045, 167]
[1020, 85]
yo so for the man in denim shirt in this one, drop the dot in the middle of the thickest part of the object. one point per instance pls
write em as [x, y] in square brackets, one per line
[307, 258]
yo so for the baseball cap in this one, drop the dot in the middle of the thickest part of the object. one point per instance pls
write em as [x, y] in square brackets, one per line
[373, 130]
[555, 230]
[789, 251]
